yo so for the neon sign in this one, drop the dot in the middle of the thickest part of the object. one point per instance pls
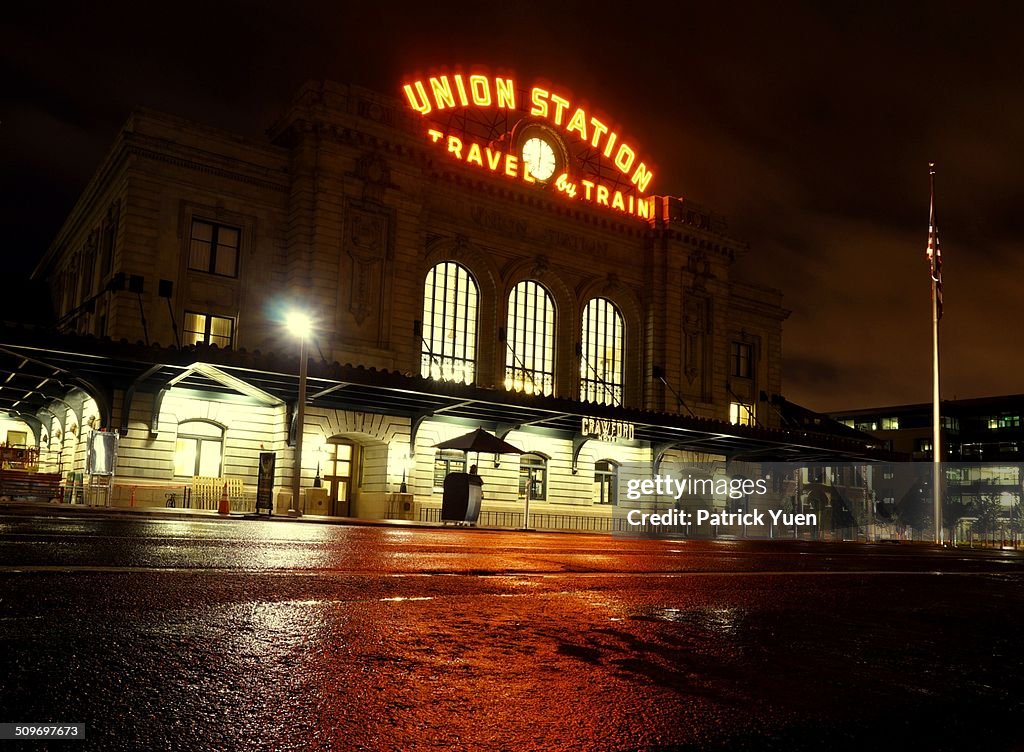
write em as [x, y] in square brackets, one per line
[548, 116]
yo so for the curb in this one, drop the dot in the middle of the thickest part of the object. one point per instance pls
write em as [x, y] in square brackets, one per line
[45, 509]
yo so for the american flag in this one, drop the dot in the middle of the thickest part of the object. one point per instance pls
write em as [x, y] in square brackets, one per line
[934, 252]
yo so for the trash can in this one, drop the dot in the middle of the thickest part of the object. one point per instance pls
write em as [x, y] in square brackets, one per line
[461, 500]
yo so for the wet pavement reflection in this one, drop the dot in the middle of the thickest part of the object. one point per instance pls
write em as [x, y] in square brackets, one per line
[279, 635]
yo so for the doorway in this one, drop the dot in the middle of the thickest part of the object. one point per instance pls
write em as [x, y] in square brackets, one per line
[342, 461]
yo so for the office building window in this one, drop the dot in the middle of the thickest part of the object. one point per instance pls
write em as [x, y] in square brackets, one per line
[449, 324]
[447, 461]
[741, 414]
[1004, 421]
[890, 424]
[530, 340]
[742, 360]
[199, 449]
[601, 353]
[204, 328]
[213, 248]
[606, 481]
[533, 472]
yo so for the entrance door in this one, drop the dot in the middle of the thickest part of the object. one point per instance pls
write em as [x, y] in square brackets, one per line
[341, 461]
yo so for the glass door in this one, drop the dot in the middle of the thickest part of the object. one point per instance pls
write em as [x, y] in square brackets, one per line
[341, 456]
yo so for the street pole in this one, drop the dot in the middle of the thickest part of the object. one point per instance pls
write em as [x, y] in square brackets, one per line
[936, 418]
[300, 418]
[526, 506]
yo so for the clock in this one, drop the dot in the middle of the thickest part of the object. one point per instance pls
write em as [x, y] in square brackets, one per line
[539, 156]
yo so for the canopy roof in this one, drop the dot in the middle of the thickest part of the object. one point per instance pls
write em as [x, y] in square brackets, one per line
[38, 367]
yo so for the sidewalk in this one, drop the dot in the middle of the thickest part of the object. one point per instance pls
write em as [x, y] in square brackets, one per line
[45, 509]
[42, 508]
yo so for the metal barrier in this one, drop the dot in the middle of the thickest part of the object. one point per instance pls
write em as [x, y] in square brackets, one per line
[577, 522]
[538, 520]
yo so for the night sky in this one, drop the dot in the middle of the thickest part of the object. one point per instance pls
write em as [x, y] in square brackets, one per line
[809, 128]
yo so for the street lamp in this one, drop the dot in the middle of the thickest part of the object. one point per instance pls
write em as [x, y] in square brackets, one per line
[300, 325]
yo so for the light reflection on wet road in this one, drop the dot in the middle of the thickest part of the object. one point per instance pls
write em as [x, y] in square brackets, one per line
[281, 635]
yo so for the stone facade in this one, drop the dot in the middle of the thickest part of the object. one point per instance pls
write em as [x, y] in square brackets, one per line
[343, 210]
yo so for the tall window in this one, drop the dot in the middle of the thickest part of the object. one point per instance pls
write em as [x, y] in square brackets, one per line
[742, 360]
[741, 414]
[203, 328]
[601, 356]
[199, 449]
[533, 472]
[449, 324]
[530, 340]
[107, 243]
[214, 248]
[606, 476]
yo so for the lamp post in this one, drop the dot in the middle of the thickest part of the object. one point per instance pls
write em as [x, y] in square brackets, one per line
[299, 324]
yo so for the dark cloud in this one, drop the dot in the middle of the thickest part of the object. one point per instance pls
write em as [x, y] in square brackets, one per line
[809, 125]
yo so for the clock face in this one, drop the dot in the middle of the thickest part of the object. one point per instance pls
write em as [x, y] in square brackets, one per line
[539, 157]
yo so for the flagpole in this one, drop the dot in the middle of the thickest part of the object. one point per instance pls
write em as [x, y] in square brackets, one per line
[936, 418]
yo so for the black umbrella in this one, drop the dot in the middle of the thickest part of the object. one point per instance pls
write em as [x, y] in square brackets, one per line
[480, 441]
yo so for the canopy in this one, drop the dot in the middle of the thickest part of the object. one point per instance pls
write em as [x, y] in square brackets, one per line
[480, 441]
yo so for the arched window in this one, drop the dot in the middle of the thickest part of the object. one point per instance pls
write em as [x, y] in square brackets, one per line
[530, 340]
[606, 482]
[533, 473]
[199, 449]
[601, 353]
[449, 324]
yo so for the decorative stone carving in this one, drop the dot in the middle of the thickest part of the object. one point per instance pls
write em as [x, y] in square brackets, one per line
[366, 242]
[460, 247]
[700, 267]
[540, 267]
[611, 283]
[375, 173]
[696, 340]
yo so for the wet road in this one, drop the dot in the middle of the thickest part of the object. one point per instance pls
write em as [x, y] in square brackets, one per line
[228, 635]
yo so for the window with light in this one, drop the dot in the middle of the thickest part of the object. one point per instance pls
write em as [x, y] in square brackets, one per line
[533, 473]
[199, 449]
[601, 354]
[447, 461]
[741, 414]
[450, 297]
[606, 479]
[204, 328]
[530, 340]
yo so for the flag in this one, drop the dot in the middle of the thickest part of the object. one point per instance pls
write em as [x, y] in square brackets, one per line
[934, 252]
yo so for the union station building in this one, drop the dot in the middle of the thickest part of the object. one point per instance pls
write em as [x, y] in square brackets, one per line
[472, 252]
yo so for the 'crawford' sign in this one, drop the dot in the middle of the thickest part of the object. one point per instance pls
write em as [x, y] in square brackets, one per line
[607, 430]
[549, 139]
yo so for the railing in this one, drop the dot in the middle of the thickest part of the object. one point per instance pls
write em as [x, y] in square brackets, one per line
[547, 521]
